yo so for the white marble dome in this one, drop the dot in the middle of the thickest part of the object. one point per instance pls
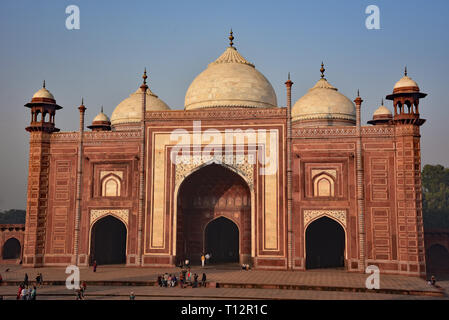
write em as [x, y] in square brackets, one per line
[101, 117]
[230, 81]
[405, 82]
[382, 111]
[43, 93]
[323, 103]
[130, 109]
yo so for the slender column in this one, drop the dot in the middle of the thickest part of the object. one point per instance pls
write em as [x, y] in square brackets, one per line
[289, 84]
[79, 177]
[143, 88]
[360, 182]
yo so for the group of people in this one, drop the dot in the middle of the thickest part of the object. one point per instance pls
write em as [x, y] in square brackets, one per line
[186, 278]
[80, 292]
[28, 292]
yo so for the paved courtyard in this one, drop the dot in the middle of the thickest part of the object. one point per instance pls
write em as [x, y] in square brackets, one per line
[116, 282]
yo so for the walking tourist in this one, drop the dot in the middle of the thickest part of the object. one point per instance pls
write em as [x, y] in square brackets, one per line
[95, 266]
[19, 293]
[132, 296]
[25, 281]
[33, 293]
[41, 279]
[203, 258]
[203, 280]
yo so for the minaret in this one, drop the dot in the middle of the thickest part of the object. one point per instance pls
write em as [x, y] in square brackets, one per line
[360, 183]
[43, 109]
[144, 89]
[410, 240]
[288, 85]
[79, 181]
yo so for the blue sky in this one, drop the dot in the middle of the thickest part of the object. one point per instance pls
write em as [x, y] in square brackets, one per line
[175, 40]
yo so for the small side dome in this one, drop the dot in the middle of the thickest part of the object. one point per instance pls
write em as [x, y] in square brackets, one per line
[43, 93]
[130, 109]
[101, 116]
[406, 84]
[323, 105]
[101, 122]
[382, 115]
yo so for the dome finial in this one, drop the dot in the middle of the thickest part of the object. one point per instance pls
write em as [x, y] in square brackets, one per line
[231, 38]
[43, 85]
[289, 76]
[322, 70]
[82, 101]
[144, 77]
[358, 93]
[382, 103]
[405, 71]
[101, 108]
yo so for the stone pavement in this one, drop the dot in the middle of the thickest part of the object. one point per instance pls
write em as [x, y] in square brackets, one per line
[333, 282]
[149, 293]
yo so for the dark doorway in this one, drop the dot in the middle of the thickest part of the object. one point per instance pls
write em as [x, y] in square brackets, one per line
[438, 259]
[325, 244]
[11, 249]
[213, 192]
[222, 241]
[108, 244]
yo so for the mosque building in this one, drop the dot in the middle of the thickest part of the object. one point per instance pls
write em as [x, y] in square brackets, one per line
[233, 174]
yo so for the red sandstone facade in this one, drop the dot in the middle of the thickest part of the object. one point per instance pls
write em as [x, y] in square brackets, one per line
[376, 202]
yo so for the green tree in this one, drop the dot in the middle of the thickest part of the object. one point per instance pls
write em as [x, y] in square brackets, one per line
[435, 182]
[12, 216]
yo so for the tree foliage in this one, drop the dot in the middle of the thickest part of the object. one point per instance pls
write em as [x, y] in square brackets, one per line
[435, 183]
[12, 216]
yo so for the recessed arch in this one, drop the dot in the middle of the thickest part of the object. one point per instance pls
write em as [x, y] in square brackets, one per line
[325, 243]
[108, 241]
[222, 239]
[12, 249]
[203, 196]
[111, 186]
[323, 185]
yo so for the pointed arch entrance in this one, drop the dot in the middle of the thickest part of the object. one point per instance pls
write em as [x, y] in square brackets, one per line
[108, 241]
[11, 249]
[221, 238]
[213, 200]
[325, 244]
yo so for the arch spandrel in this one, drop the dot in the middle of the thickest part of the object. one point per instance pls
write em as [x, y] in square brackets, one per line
[121, 214]
[243, 165]
[312, 215]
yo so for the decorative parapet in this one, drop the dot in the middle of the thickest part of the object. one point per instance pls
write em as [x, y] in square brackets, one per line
[218, 113]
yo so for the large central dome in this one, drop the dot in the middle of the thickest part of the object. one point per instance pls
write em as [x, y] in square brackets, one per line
[230, 81]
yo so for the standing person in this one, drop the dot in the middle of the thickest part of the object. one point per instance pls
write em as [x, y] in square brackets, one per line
[195, 281]
[203, 280]
[132, 296]
[181, 280]
[83, 288]
[25, 280]
[19, 293]
[207, 258]
[41, 279]
[95, 266]
[38, 279]
[33, 293]
[203, 258]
